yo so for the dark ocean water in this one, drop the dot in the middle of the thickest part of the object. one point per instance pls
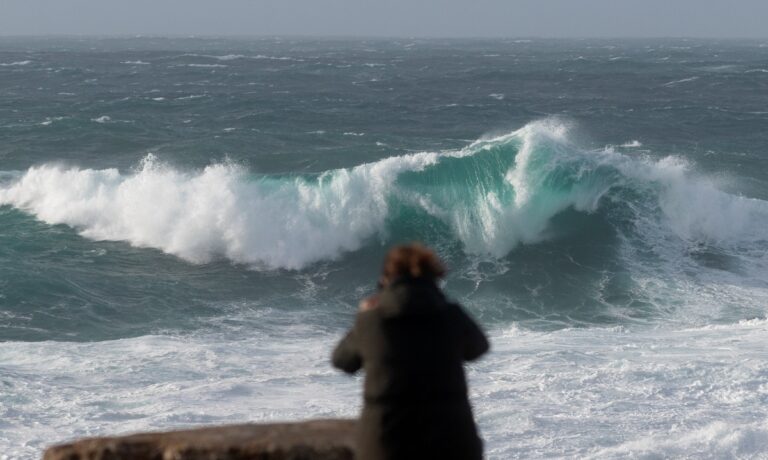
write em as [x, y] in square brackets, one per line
[186, 194]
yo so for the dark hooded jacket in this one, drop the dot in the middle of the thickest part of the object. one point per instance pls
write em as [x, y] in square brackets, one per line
[412, 346]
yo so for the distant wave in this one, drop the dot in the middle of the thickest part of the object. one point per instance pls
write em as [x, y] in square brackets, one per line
[682, 80]
[210, 66]
[229, 57]
[277, 58]
[493, 195]
[232, 57]
[14, 64]
[226, 57]
[50, 120]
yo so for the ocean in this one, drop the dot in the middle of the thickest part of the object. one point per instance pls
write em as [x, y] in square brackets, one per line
[187, 225]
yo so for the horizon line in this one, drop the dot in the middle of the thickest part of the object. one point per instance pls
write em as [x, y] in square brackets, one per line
[373, 37]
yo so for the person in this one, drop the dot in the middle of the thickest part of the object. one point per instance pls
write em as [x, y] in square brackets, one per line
[412, 342]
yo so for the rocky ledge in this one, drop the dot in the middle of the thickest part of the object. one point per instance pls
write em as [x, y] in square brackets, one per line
[311, 440]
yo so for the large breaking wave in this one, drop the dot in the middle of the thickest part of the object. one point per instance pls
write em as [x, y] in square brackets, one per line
[490, 197]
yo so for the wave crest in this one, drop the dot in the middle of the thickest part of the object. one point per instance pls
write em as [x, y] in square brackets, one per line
[492, 195]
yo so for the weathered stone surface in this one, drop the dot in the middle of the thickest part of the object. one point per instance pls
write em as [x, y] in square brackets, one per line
[312, 440]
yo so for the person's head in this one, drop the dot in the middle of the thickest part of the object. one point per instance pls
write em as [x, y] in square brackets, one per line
[411, 261]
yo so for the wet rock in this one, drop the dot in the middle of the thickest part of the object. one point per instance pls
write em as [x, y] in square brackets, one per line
[311, 440]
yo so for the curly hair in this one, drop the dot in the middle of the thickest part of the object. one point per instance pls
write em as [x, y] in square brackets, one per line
[412, 260]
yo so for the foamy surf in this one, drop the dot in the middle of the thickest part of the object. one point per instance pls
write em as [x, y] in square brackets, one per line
[493, 195]
[220, 211]
[575, 393]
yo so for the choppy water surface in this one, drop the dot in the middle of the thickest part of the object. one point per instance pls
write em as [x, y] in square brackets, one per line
[186, 226]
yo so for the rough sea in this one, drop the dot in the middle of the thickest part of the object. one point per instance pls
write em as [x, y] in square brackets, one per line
[187, 225]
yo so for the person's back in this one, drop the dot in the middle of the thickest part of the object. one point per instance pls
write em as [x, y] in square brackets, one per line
[412, 345]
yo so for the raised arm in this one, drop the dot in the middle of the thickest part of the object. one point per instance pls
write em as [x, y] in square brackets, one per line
[346, 356]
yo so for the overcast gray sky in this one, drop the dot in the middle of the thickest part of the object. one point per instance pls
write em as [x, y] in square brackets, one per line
[423, 18]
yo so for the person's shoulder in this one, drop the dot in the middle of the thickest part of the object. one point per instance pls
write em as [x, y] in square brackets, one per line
[455, 310]
[368, 315]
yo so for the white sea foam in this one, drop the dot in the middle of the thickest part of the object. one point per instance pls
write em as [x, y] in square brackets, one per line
[219, 211]
[224, 212]
[721, 68]
[714, 440]
[617, 393]
[632, 144]
[277, 58]
[50, 120]
[683, 80]
[208, 66]
[497, 96]
[135, 63]
[576, 393]
[190, 97]
[229, 57]
[102, 119]
[695, 208]
[225, 57]
[14, 64]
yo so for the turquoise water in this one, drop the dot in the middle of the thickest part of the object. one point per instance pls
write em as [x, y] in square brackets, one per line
[199, 217]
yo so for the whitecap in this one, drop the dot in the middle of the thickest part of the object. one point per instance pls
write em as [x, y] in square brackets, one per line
[190, 97]
[683, 80]
[50, 120]
[14, 64]
[277, 58]
[223, 211]
[229, 57]
[208, 66]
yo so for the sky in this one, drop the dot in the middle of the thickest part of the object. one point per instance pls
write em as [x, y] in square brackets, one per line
[389, 18]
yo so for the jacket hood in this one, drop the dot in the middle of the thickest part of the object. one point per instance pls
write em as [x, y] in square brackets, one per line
[407, 295]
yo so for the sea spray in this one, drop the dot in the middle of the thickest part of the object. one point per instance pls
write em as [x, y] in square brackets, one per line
[220, 211]
[493, 195]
